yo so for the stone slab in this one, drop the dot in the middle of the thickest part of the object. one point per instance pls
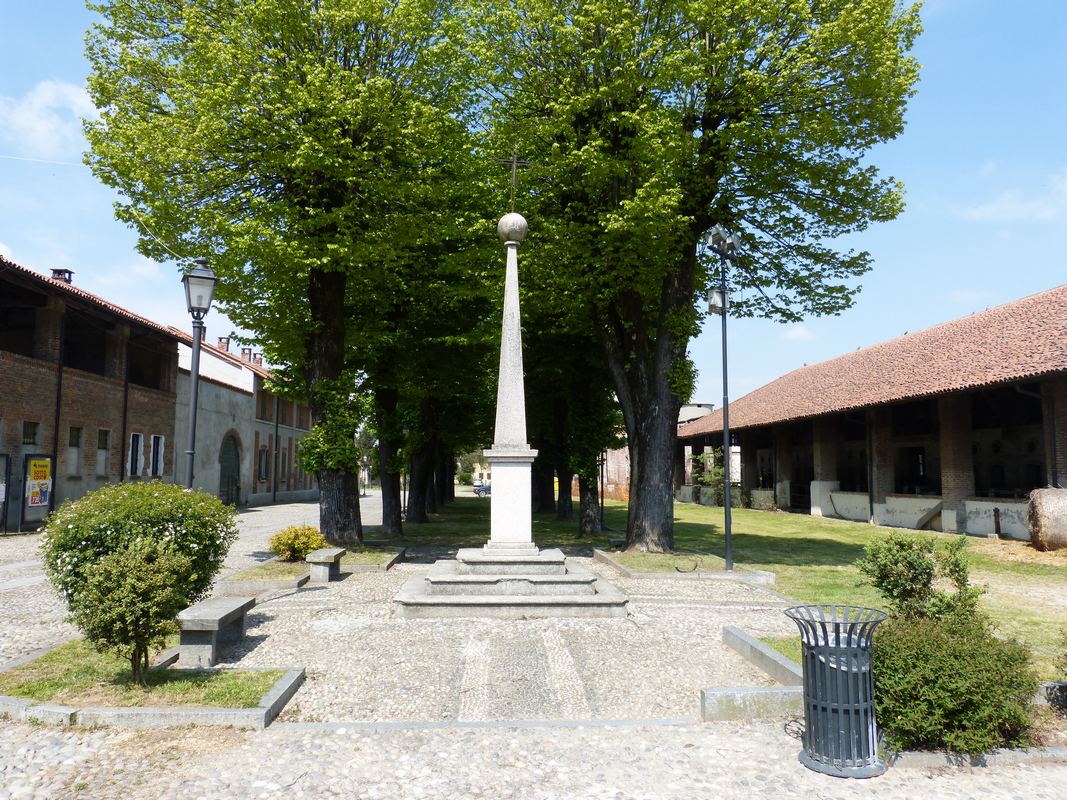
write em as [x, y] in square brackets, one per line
[750, 702]
[242, 588]
[214, 613]
[414, 601]
[477, 562]
[444, 579]
[777, 666]
[386, 565]
[255, 718]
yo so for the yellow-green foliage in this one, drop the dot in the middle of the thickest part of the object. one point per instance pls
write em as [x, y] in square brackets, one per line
[296, 541]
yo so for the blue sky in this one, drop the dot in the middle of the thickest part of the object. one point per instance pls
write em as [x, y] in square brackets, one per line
[983, 158]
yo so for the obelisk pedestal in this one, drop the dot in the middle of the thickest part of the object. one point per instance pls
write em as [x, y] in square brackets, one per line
[510, 578]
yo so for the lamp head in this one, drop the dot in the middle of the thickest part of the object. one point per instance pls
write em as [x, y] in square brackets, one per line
[199, 288]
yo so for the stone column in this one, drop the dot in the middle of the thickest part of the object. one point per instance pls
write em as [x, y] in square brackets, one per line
[880, 425]
[511, 456]
[1054, 401]
[783, 467]
[824, 455]
[957, 460]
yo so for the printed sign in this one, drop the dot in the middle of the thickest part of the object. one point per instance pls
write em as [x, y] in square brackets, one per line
[40, 483]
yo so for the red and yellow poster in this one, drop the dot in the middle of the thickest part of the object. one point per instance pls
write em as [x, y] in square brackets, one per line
[40, 483]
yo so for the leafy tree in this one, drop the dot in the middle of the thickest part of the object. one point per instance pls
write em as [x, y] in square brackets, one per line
[301, 144]
[648, 123]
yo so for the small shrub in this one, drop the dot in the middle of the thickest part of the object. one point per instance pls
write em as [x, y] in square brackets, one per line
[130, 600]
[296, 541]
[904, 568]
[465, 478]
[948, 683]
[80, 534]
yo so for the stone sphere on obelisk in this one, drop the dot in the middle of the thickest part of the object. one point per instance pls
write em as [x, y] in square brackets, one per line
[511, 456]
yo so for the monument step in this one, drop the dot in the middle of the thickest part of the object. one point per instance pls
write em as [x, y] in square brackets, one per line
[475, 561]
[417, 599]
[541, 585]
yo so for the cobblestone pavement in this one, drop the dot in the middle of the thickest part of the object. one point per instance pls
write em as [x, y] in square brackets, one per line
[457, 708]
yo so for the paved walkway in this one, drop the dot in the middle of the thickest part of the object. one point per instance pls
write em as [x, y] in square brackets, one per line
[461, 708]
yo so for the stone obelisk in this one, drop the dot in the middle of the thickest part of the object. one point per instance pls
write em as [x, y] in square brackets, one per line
[511, 456]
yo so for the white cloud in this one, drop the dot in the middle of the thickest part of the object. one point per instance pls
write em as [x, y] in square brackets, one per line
[1048, 202]
[133, 273]
[798, 333]
[46, 120]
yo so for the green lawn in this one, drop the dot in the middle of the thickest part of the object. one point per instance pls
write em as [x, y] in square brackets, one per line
[812, 559]
[76, 675]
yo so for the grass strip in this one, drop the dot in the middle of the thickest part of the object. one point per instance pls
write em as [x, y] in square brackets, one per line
[74, 674]
[667, 563]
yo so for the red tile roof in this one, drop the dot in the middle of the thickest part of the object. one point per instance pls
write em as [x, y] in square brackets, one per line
[69, 289]
[1013, 342]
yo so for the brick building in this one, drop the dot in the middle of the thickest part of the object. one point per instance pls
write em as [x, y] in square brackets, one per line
[948, 428]
[102, 377]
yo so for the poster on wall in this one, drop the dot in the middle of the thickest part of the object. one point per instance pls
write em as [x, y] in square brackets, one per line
[5, 479]
[38, 482]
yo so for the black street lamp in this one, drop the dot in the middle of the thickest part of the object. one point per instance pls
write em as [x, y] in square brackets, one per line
[199, 287]
[724, 245]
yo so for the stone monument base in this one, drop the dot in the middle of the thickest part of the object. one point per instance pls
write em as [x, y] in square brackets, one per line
[508, 585]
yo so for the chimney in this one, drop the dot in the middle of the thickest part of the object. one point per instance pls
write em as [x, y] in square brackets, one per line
[246, 354]
[257, 359]
[63, 275]
[224, 344]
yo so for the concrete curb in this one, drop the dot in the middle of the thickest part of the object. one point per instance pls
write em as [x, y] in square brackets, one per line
[718, 705]
[257, 588]
[777, 666]
[912, 759]
[747, 575]
[271, 704]
[383, 567]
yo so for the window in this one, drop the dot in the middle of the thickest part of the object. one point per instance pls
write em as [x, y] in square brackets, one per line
[282, 478]
[264, 405]
[136, 460]
[74, 451]
[157, 457]
[264, 464]
[103, 451]
[283, 413]
[29, 432]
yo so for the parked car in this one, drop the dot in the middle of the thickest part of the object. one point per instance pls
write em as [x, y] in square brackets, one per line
[476, 482]
[484, 491]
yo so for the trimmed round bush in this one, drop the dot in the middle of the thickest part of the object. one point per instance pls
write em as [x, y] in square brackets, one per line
[130, 601]
[296, 541]
[80, 534]
[948, 683]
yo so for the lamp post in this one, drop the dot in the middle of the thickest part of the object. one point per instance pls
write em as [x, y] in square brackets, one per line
[199, 287]
[724, 245]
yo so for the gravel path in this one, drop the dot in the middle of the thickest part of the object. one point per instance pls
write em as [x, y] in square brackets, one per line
[456, 708]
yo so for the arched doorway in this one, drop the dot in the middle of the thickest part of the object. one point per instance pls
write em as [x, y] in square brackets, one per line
[229, 472]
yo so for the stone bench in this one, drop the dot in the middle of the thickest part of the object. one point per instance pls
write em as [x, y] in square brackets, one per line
[325, 564]
[205, 624]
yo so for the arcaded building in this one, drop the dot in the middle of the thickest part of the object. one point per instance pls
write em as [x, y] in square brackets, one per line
[87, 394]
[947, 428]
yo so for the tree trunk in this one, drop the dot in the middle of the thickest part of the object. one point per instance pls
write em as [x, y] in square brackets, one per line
[339, 519]
[450, 477]
[422, 462]
[588, 508]
[431, 488]
[440, 480]
[564, 504]
[389, 468]
[336, 487]
[640, 362]
[544, 500]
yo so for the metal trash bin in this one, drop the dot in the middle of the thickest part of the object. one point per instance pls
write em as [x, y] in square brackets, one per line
[841, 737]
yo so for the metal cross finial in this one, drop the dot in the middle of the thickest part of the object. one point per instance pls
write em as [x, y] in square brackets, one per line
[515, 164]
